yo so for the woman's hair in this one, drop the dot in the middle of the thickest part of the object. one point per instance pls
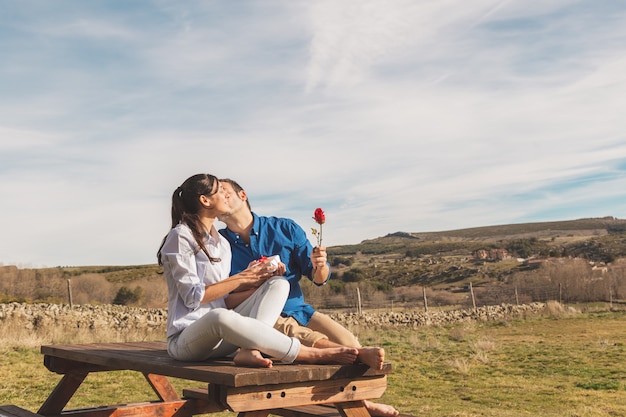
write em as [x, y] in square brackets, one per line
[186, 205]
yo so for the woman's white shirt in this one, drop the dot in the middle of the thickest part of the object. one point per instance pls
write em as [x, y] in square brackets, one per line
[188, 271]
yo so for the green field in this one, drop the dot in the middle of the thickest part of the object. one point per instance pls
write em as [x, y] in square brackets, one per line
[556, 365]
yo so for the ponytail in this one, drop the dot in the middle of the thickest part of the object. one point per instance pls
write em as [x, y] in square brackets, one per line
[186, 206]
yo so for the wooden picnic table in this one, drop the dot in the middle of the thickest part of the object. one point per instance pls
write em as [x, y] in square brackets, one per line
[284, 389]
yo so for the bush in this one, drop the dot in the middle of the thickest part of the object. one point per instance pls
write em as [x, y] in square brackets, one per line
[353, 275]
[341, 260]
[125, 296]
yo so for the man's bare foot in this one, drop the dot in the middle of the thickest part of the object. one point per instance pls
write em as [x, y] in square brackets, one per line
[250, 357]
[374, 357]
[380, 410]
[340, 355]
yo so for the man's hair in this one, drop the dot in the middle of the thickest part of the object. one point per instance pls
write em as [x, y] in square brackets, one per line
[237, 188]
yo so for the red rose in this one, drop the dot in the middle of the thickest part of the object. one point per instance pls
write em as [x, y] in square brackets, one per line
[319, 216]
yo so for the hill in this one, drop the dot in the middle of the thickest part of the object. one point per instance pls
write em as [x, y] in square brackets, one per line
[491, 255]
[495, 258]
[554, 235]
[563, 231]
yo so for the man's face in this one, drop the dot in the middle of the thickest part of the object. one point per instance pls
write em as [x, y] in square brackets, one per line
[235, 199]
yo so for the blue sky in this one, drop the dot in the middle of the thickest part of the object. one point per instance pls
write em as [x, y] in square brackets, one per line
[409, 115]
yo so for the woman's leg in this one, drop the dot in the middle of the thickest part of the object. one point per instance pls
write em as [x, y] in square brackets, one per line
[266, 303]
[221, 332]
[198, 340]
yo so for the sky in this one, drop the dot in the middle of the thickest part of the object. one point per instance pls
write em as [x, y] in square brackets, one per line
[404, 115]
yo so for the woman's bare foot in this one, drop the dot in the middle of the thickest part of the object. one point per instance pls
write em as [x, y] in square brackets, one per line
[340, 355]
[251, 357]
[380, 410]
[374, 357]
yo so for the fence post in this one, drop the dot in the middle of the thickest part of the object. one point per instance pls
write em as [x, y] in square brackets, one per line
[69, 292]
[560, 293]
[358, 297]
[516, 297]
[473, 298]
[425, 300]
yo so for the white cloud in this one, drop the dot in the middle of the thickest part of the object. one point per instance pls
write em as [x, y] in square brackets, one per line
[412, 116]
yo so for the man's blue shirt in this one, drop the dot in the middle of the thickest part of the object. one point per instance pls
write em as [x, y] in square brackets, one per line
[277, 236]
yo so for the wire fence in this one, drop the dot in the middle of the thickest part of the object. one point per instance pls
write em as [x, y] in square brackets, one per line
[573, 282]
[360, 297]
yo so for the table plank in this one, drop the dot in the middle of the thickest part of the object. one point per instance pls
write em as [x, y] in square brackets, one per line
[304, 393]
[152, 358]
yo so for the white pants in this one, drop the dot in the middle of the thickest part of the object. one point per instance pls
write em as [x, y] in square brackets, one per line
[220, 332]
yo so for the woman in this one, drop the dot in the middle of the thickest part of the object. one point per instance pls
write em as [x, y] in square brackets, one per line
[196, 263]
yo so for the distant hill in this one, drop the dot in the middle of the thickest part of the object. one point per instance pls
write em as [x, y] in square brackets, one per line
[580, 227]
[566, 230]
[446, 257]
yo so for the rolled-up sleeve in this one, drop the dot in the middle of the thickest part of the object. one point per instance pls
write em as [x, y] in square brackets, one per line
[178, 254]
[188, 271]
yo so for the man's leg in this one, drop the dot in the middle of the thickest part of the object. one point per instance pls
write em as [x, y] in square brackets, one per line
[310, 337]
[306, 336]
[322, 323]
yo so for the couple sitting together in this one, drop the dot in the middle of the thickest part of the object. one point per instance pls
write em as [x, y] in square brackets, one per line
[227, 299]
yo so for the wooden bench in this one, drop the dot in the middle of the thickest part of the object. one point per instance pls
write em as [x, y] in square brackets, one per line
[14, 411]
[324, 410]
[250, 391]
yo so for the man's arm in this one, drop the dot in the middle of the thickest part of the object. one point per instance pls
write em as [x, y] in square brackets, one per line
[321, 270]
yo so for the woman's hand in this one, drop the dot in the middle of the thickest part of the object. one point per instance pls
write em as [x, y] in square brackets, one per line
[280, 270]
[257, 273]
[251, 278]
[244, 283]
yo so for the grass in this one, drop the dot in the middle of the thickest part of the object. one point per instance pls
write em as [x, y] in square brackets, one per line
[567, 366]
[557, 365]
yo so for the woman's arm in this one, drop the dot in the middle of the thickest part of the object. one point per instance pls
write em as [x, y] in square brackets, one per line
[238, 297]
[179, 253]
[240, 285]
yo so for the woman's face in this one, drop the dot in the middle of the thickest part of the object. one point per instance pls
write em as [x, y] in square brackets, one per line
[219, 200]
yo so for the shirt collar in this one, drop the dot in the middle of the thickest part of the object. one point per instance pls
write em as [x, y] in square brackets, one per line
[236, 237]
[213, 240]
[255, 225]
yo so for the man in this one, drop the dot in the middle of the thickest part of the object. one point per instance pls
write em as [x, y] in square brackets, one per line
[252, 237]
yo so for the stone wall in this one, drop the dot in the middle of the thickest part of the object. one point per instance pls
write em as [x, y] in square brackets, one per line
[38, 316]
[438, 318]
[119, 318]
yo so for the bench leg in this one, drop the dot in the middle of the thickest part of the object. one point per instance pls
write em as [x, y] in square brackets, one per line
[162, 387]
[62, 393]
[353, 409]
